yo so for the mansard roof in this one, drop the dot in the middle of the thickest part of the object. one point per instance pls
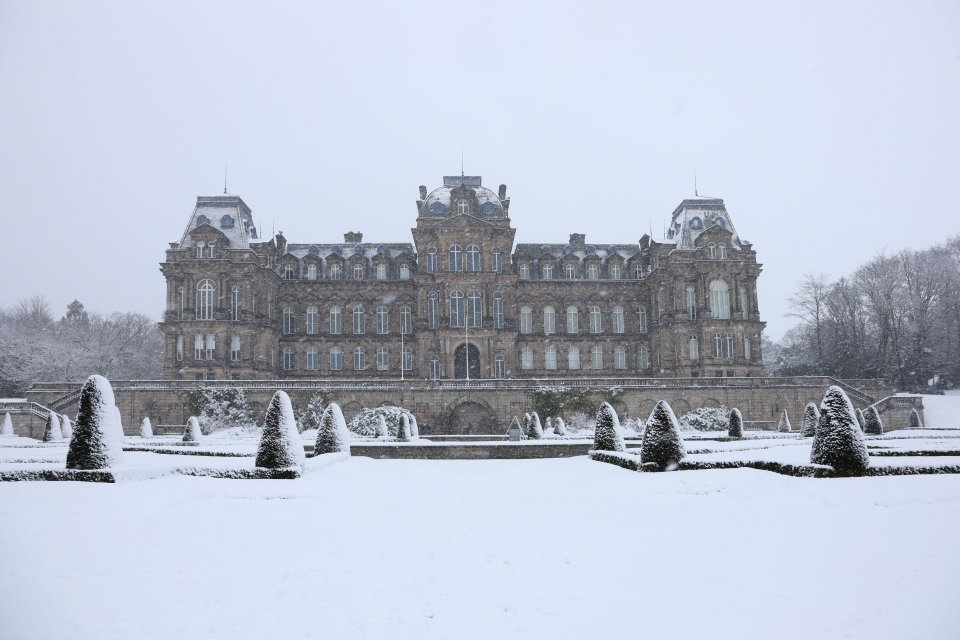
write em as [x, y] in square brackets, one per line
[439, 202]
[368, 250]
[693, 217]
[228, 214]
[557, 251]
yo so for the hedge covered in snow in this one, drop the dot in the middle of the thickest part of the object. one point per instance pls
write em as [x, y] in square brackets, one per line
[368, 422]
[706, 419]
[536, 429]
[607, 435]
[735, 425]
[811, 416]
[839, 442]
[7, 428]
[662, 443]
[872, 424]
[784, 425]
[146, 428]
[332, 434]
[52, 433]
[280, 446]
[97, 441]
[222, 408]
[192, 431]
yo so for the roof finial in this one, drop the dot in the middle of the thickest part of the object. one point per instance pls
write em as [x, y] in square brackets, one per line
[695, 192]
[224, 177]
[461, 162]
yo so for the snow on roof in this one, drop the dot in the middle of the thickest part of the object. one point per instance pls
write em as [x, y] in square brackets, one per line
[227, 213]
[693, 216]
[601, 250]
[370, 249]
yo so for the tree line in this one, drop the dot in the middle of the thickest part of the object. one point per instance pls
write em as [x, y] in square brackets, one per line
[37, 347]
[896, 317]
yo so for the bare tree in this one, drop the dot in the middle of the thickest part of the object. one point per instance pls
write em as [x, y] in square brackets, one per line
[808, 305]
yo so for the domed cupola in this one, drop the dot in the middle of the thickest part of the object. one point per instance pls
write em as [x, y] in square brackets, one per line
[462, 195]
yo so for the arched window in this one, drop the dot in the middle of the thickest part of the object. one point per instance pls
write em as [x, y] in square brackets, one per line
[526, 320]
[335, 271]
[694, 350]
[198, 347]
[593, 272]
[547, 271]
[456, 309]
[549, 321]
[336, 359]
[712, 251]
[336, 321]
[524, 270]
[406, 359]
[717, 346]
[596, 357]
[570, 272]
[573, 358]
[311, 272]
[313, 320]
[526, 357]
[747, 354]
[596, 323]
[637, 271]
[179, 348]
[691, 302]
[383, 358]
[288, 320]
[434, 368]
[642, 319]
[618, 320]
[619, 358]
[615, 272]
[406, 321]
[289, 359]
[211, 346]
[744, 301]
[499, 367]
[404, 272]
[200, 246]
[550, 357]
[431, 260]
[473, 258]
[573, 320]
[433, 310]
[496, 256]
[722, 251]
[383, 320]
[498, 311]
[312, 359]
[728, 345]
[206, 299]
[463, 207]
[359, 359]
[358, 272]
[474, 309]
[288, 272]
[178, 303]
[211, 250]
[696, 223]
[719, 300]
[456, 258]
[359, 323]
[381, 272]
[643, 357]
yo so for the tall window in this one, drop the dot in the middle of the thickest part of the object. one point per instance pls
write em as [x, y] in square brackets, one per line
[359, 359]
[336, 359]
[746, 349]
[496, 256]
[619, 358]
[288, 320]
[404, 272]
[719, 300]
[618, 321]
[499, 367]
[381, 272]
[211, 346]
[570, 272]
[431, 260]
[596, 324]
[235, 348]
[383, 358]
[311, 272]
[694, 349]
[435, 368]
[406, 359]
[178, 303]
[200, 247]
[206, 298]
[313, 320]
[637, 271]
[550, 357]
[524, 270]
[288, 272]
[593, 272]
[573, 320]
[548, 272]
[473, 258]
[498, 311]
[549, 321]
[359, 325]
[722, 251]
[456, 258]
[615, 272]
[744, 301]
[433, 310]
[526, 320]
[526, 357]
[235, 303]
[717, 346]
[179, 348]
[211, 249]
[289, 359]
[474, 309]
[335, 271]
[406, 320]
[312, 359]
[358, 272]
[643, 357]
[463, 207]
[642, 319]
[198, 351]
[573, 358]
[336, 321]
[596, 357]
[383, 320]
[712, 251]
[456, 309]
[728, 345]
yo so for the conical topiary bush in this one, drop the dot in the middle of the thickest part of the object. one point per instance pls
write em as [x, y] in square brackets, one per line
[403, 428]
[839, 442]
[97, 441]
[383, 430]
[51, 433]
[811, 415]
[858, 414]
[527, 424]
[560, 427]
[608, 436]
[332, 433]
[662, 443]
[280, 445]
[784, 425]
[146, 428]
[6, 429]
[414, 428]
[192, 432]
[872, 424]
[536, 429]
[66, 428]
[735, 424]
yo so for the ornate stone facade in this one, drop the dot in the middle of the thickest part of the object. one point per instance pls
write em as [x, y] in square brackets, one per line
[461, 301]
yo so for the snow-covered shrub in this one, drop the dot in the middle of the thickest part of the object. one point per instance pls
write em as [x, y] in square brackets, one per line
[7, 428]
[548, 426]
[858, 414]
[633, 426]
[706, 419]
[97, 441]
[872, 423]
[608, 436]
[312, 412]
[414, 427]
[811, 415]
[146, 429]
[332, 433]
[280, 446]
[368, 423]
[838, 441]
[536, 429]
[735, 426]
[66, 427]
[580, 422]
[52, 433]
[403, 431]
[300, 427]
[784, 425]
[915, 419]
[382, 429]
[662, 443]
[527, 424]
[222, 408]
[192, 431]
[559, 427]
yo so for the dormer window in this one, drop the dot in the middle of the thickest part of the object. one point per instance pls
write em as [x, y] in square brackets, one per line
[212, 250]
[381, 272]
[712, 251]
[463, 207]
[358, 272]
[288, 272]
[570, 272]
[226, 222]
[335, 271]
[615, 272]
[722, 249]
[312, 272]
[593, 272]
[524, 272]
[200, 247]
[404, 272]
[696, 223]
[548, 272]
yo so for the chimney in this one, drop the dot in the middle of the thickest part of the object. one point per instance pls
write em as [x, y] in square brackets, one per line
[351, 237]
[578, 239]
[503, 192]
[423, 192]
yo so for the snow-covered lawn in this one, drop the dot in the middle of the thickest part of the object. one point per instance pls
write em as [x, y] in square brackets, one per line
[564, 548]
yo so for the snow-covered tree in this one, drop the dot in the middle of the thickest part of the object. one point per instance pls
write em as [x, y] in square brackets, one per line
[527, 424]
[662, 443]
[7, 428]
[403, 433]
[332, 433]
[560, 427]
[192, 432]
[607, 435]
[915, 419]
[66, 428]
[811, 415]
[548, 425]
[222, 408]
[312, 412]
[839, 442]
[146, 429]
[705, 419]
[735, 427]
[784, 425]
[367, 421]
[280, 446]
[536, 429]
[300, 427]
[858, 414]
[97, 441]
[51, 432]
[414, 428]
[382, 429]
[872, 424]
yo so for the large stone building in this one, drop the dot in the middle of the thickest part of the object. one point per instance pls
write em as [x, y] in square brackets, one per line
[462, 300]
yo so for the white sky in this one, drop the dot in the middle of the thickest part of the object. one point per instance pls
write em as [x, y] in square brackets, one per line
[832, 130]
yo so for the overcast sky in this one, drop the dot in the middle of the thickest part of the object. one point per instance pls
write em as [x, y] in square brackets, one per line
[832, 130]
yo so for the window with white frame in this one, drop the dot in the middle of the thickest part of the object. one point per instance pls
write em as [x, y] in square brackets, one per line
[712, 251]
[178, 303]
[335, 271]
[717, 345]
[235, 303]
[235, 348]
[200, 247]
[211, 346]
[570, 272]
[596, 322]
[719, 300]
[288, 272]
[311, 272]
[434, 368]
[433, 310]
[179, 348]
[336, 321]
[573, 320]
[618, 320]
[643, 357]
[359, 322]
[198, 344]
[463, 207]
[526, 357]
[383, 320]
[381, 272]
[456, 309]
[473, 258]
[616, 272]
[359, 359]
[336, 359]
[496, 257]
[313, 320]
[406, 359]
[404, 272]
[289, 359]
[474, 309]
[694, 349]
[573, 358]
[526, 320]
[728, 345]
[206, 299]
[383, 358]
[691, 302]
[288, 324]
[747, 354]
[642, 319]
[547, 271]
[499, 367]
[211, 249]
[593, 272]
[358, 272]
[596, 357]
[637, 271]
[406, 321]
[550, 357]
[431, 260]
[549, 321]
[524, 270]
[312, 359]
[619, 358]
[498, 311]
[456, 258]
[722, 251]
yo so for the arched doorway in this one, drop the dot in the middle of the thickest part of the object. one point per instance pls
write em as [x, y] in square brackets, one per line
[466, 355]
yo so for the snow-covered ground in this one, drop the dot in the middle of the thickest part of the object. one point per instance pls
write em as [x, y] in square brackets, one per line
[564, 548]
[942, 412]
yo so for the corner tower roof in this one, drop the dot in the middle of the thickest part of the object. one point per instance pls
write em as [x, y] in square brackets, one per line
[227, 213]
[693, 216]
[482, 202]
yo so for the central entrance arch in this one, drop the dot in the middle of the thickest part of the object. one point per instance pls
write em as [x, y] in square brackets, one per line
[461, 361]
